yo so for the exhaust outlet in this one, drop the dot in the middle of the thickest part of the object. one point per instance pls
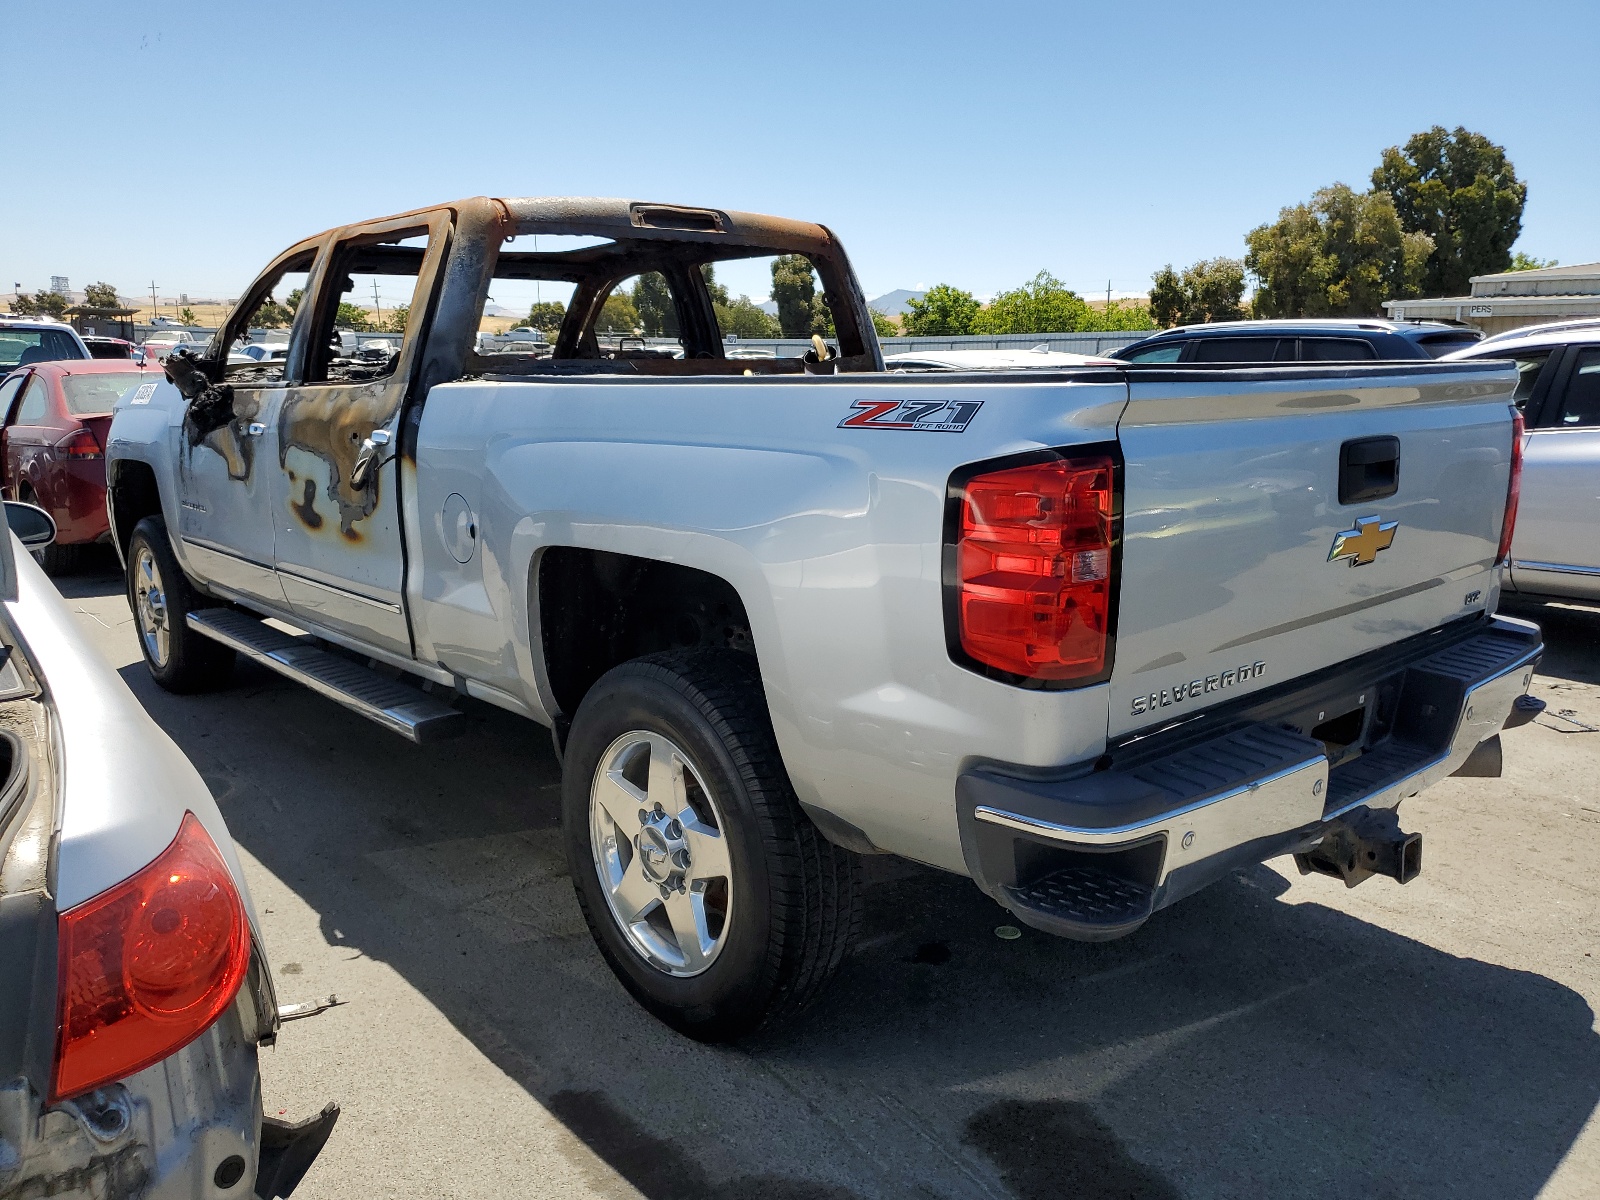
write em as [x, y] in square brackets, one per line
[1362, 844]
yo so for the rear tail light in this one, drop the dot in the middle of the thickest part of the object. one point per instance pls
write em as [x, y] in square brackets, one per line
[81, 444]
[147, 966]
[1513, 492]
[1033, 568]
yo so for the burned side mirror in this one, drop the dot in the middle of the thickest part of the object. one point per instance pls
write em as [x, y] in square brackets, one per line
[34, 527]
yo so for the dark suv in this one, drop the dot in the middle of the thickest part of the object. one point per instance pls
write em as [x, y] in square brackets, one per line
[1298, 341]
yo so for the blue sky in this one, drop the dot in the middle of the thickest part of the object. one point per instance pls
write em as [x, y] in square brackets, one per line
[973, 144]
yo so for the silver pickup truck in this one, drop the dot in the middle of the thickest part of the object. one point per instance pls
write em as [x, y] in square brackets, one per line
[1091, 637]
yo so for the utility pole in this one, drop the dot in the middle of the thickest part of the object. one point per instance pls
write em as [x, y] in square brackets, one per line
[154, 311]
[375, 303]
[1108, 295]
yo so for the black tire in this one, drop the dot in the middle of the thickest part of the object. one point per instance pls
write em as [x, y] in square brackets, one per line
[794, 907]
[192, 663]
[56, 559]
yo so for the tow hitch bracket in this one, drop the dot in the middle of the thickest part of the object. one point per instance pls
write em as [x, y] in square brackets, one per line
[1363, 843]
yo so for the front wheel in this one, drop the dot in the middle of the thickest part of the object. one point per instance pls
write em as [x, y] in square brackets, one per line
[712, 897]
[161, 598]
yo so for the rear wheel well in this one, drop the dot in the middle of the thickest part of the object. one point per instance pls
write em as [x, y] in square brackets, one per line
[133, 495]
[598, 609]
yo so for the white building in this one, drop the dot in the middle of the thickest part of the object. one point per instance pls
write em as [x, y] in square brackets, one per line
[1512, 299]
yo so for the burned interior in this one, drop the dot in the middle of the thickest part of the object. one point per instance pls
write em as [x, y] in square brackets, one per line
[676, 244]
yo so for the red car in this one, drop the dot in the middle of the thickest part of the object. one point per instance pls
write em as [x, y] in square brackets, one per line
[57, 416]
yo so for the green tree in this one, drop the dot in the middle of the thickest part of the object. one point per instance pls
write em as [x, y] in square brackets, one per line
[546, 316]
[395, 321]
[1042, 305]
[270, 315]
[352, 317]
[1118, 315]
[1210, 290]
[652, 299]
[719, 291]
[1341, 255]
[186, 315]
[1460, 189]
[40, 304]
[1527, 262]
[618, 315]
[293, 301]
[1167, 298]
[100, 295]
[883, 324]
[744, 318]
[941, 310]
[801, 311]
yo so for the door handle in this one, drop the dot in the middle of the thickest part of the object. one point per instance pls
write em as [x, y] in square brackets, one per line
[255, 429]
[369, 457]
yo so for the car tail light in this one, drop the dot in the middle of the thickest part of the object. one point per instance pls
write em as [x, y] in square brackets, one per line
[148, 965]
[81, 444]
[1033, 568]
[1513, 492]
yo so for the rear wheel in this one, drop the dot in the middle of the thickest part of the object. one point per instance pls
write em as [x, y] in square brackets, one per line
[55, 558]
[162, 598]
[713, 898]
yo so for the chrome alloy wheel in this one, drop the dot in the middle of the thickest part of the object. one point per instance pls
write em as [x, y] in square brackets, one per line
[150, 607]
[660, 852]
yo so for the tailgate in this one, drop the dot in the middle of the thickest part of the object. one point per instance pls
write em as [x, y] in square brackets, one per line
[1232, 574]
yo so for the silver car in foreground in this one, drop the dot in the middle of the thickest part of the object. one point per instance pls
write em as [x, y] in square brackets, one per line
[1555, 548]
[133, 989]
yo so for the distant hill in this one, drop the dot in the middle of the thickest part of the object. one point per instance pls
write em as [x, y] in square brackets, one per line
[893, 304]
[890, 304]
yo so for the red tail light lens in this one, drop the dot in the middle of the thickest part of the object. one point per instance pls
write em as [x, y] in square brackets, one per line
[1513, 491]
[148, 965]
[1033, 565]
[80, 444]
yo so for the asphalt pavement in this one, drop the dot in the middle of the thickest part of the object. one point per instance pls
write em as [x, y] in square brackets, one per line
[1273, 1036]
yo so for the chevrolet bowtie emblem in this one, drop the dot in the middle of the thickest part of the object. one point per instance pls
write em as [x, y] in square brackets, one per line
[1361, 544]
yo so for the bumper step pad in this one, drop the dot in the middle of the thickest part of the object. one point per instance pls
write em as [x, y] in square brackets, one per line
[1087, 897]
[396, 706]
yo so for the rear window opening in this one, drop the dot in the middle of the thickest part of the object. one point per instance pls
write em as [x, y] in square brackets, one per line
[97, 394]
[568, 304]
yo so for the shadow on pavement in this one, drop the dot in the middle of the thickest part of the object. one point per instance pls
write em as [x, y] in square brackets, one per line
[1238, 1045]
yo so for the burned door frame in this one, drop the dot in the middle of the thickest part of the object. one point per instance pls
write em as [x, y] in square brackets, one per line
[340, 538]
[225, 535]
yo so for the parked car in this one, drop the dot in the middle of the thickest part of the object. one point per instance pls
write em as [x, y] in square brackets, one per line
[111, 347]
[23, 343]
[265, 351]
[135, 990]
[1555, 550]
[55, 417]
[1037, 358]
[1299, 341]
[162, 343]
[1073, 634]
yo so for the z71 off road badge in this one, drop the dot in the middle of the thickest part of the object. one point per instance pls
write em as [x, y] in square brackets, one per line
[1361, 544]
[926, 416]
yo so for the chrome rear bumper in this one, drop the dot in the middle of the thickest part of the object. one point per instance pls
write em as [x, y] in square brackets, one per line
[1092, 853]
